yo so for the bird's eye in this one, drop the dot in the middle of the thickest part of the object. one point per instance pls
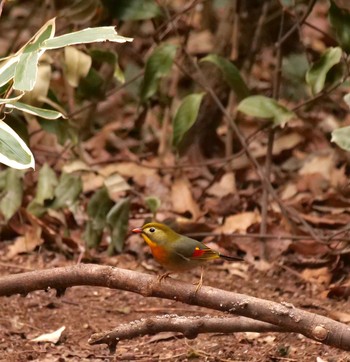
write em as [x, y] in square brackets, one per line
[152, 230]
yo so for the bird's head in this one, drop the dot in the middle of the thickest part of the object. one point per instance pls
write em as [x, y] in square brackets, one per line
[156, 234]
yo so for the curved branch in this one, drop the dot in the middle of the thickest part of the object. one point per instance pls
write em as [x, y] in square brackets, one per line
[190, 327]
[284, 315]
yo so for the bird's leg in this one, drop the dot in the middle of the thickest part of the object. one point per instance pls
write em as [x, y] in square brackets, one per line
[163, 276]
[200, 283]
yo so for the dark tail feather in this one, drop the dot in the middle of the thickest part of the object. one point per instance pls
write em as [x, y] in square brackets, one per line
[231, 258]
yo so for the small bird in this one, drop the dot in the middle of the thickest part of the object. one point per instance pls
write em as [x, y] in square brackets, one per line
[176, 252]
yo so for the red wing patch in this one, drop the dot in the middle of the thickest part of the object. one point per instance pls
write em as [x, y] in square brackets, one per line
[198, 253]
[204, 254]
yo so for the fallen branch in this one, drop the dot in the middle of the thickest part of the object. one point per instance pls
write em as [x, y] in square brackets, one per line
[284, 315]
[190, 327]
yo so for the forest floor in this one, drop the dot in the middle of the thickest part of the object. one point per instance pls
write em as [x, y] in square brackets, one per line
[87, 310]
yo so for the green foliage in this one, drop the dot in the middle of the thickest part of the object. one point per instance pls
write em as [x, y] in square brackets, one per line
[104, 213]
[21, 70]
[294, 68]
[158, 66]
[231, 74]
[45, 191]
[118, 221]
[340, 21]
[91, 87]
[98, 208]
[317, 75]
[267, 108]
[67, 191]
[341, 137]
[132, 9]
[13, 150]
[36, 111]
[185, 116]
[153, 203]
[62, 129]
[12, 193]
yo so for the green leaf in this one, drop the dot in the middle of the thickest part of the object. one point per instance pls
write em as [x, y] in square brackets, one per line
[294, 67]
[11, 100]
[287, 3]
[340, 21]
[8, 69]
[11, 200]
[47, 183]
[27, 66]
[316, 75]
[267, 108]
[118, 221]
[158, 66]
[231, 74]
[185, 116]
[26, 71]
[97, 209]
[341, 136]
[153, 203]
[132, 9]
[3, 175]
[88, 35]
[92, 236]
[36, 111]
[62, 129]
[67, 191]
[99, 55]
[92, 86]
[13, 150]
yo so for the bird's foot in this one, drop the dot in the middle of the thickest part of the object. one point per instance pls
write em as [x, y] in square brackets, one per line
[163, 276]
[200, 283]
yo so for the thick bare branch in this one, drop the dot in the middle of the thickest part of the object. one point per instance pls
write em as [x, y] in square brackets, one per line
[190, 327]
[284, 315]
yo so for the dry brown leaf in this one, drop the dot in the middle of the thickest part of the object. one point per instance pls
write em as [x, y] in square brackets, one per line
[91, 181]
[75, 165]
[239, 222]
[182, 198]
[319, 163]
[281, 144]
[27, 242]
[116, 184]
[289, 191]
[340, 316]
[308, 247]
[200, 43]
[225, 186]
[320, 276]
[342, 219]
[126, 169]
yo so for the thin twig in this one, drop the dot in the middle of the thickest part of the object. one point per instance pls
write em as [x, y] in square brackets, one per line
[296, 25]
[270, 143]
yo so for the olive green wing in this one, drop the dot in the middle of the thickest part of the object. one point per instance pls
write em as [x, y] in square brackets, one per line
[190, 249]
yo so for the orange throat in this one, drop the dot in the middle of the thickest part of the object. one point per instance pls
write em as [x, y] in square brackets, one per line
[159, 253]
